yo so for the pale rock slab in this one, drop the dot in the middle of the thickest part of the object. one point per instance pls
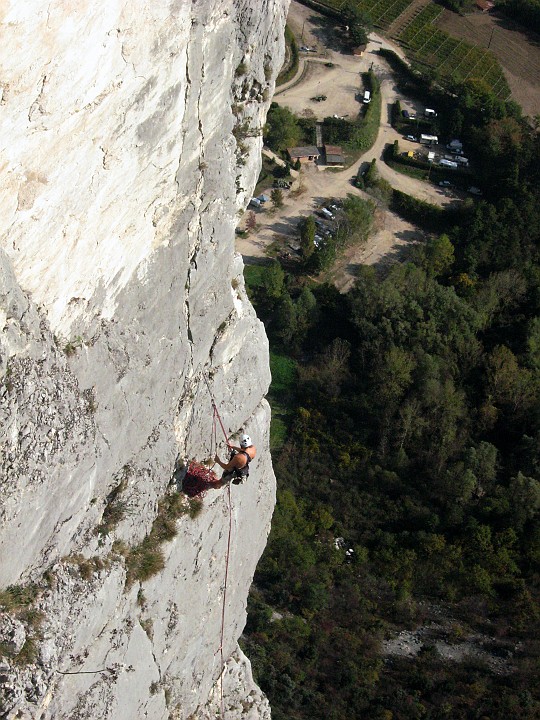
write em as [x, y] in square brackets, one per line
[119, 288]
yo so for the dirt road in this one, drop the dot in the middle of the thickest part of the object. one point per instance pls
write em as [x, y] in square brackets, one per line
[341, 83]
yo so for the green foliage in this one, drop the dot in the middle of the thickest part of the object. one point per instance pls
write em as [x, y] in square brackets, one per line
[526, 12]
[277, 197]
[438, 255]
[307, 236]
[287, 73]
[272, 280]
[18, 600]
[281, 130]
[361, 134]
[359, 214]
[146, 559]
[18, 597]
[241, 69]
[281, 397]
[414, 435]
[115, 508]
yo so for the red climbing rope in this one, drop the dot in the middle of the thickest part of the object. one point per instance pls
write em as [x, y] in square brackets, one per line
[216, 413]
[227, 555]
[225, 598]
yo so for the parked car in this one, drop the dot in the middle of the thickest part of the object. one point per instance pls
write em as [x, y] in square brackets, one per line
[474, 190]
[411, 138]
[405, 113]
[445, 183]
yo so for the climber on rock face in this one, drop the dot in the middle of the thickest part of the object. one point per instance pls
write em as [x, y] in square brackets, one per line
[237, 468]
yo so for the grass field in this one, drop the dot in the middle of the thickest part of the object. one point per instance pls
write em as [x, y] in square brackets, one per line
[281, 395]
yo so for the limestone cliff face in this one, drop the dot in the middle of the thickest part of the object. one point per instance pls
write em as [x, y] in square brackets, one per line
[129, 141]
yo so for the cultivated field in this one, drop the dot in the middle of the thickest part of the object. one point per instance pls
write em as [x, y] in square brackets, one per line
[517, 51]
[451, 56]
[460, 54]
[382, 12]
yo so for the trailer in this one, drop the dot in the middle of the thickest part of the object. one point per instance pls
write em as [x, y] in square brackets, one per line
[429, 139]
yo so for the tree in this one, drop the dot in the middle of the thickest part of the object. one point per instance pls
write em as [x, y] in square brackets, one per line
[357, 21]
[251, 221]
[285, 319]
[307, 236]
[306, 313]
[438, 255]
[281, 130]
[273, 281]
[277, 197]
[508, 383]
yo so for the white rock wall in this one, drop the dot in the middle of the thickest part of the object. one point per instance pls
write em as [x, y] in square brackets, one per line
[119, 287]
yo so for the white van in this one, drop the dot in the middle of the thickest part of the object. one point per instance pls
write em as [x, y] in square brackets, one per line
[367, 97]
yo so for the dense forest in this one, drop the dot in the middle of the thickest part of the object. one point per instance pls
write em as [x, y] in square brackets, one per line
[406, 443]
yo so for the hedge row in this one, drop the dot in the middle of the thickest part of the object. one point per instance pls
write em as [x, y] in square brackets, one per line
[292, 69]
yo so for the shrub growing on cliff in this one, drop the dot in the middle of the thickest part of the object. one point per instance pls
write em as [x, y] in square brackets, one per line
[146, 559]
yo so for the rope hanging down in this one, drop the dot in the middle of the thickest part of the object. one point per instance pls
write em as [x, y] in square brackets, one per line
[216, 416]
[216, 412]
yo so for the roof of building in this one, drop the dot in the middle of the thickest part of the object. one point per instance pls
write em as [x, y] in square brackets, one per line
[333, 153]
[359, 49]
[485, 5]
[304, 151]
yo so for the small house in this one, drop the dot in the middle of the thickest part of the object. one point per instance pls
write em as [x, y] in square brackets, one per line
[485, 5]
[309, 153]
[359, 50]
[333, 155]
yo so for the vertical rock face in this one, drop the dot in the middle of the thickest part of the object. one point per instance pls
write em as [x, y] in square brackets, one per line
[130, 136]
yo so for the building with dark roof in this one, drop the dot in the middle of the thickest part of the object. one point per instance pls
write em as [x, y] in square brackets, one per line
[334, 155]
[304, 154]
[359, 50]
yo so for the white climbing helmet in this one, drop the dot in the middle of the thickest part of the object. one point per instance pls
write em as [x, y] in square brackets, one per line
[245, 441]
